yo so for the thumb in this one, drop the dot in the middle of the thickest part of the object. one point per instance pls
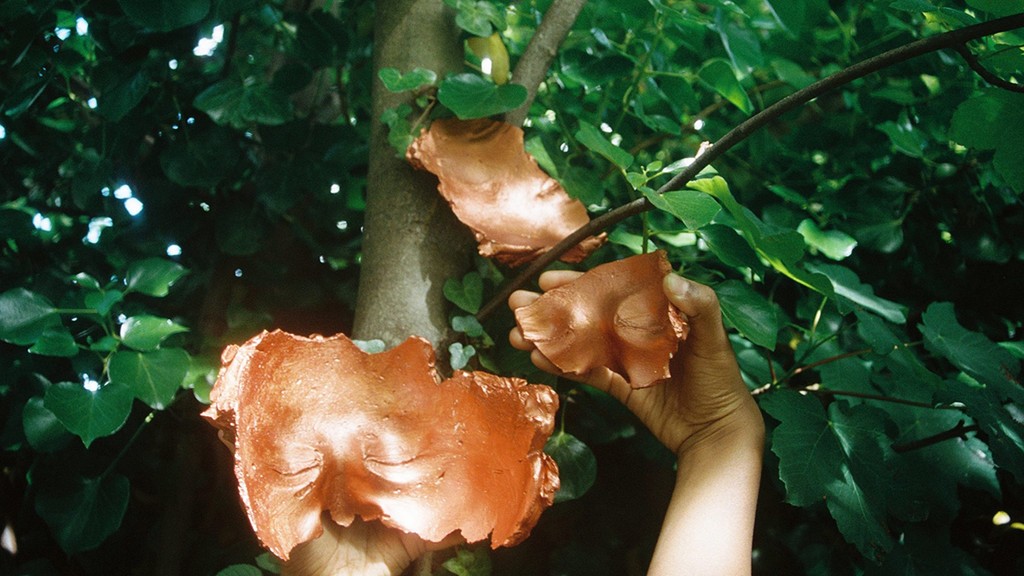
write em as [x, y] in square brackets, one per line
[699, 304]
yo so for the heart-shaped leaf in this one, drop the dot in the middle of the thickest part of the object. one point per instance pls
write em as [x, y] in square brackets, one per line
[153, 377]
[89, 413]
[471, 96]
[145, 332]
[82, 512]
[153, 276]
[577, 466]
[468, 294]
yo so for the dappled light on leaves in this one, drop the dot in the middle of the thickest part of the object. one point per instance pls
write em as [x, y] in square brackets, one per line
[615, 316]
[319, 425]
[515, 210]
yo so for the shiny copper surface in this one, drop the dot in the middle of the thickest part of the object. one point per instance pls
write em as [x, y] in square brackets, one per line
[514, 209]
[320, 425]
[615, 316]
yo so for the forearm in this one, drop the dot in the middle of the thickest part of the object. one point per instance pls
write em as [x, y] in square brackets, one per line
[708, 528]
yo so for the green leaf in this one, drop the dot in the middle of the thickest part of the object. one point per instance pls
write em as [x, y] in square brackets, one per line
[589, 136]
[468, 325]
[719, 76]
[145, 332]
[371, 346]
[43, 430]
[122, 95]
[88, 413]
[577, 467]
[241, 104]
[153, 377]
[55, 341]
[695, 209]
[165, 15]
[836, 457]
[460, 355]
[395, 81]
[994, 120]
[103, 301]
[969, 351]
[203, 159]
[851, 293]
[834, 244]
[24, 316]
[904, 138]
[471, 96]
[240, 570]
[752, 314]
[153, 276]
[730, 247]
[913, 6]
[478, 17]
[473, 562]
[741, 44]
[82, 512]
[999, 421]
[269, 563]
[467, 294]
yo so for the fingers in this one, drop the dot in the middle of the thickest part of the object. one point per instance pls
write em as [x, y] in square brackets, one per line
[699, 304]
[554, 278]
[521, 298]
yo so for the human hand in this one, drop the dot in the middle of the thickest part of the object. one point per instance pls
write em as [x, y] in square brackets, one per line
[705, 398]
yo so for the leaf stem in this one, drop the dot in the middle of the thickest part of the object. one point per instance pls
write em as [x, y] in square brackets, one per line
[131, 441]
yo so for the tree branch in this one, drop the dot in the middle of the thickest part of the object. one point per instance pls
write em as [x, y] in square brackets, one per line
[958, 431]
[532, 67]
[747, 128]
[988, 76]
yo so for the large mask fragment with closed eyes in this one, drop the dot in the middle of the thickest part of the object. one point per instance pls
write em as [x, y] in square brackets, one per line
[319, 425]
[614, 316]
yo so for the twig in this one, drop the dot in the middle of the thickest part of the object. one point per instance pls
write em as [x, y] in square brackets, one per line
[747, 128]
[958, 431]
[985, 73]
[876, 397]
[532, 67]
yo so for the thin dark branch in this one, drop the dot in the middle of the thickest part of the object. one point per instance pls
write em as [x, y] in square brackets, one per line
[958, 431]
[532, 67]
[747, 128]
[875, 397]
[985, 73]
[824, 361]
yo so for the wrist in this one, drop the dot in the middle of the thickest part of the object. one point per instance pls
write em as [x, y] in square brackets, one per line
[741, 428]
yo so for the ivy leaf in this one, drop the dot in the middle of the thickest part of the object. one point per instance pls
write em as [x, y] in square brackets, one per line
[998, 420]
[749, 312]
[43, 430]
[165, 15]
[467, 294]
[239, 104]
[240, 570]
[24, 316]
[153, 276]
[468, 325]
[89, 414]
[474, 562]
[695, 209]
[835, 456]
[969, 351]
[56, 341]
[395, 81]
[589, 136]
[577, 466]
[122, 94]
[460, 355]
[852, 293]
[203, 159]
[718, 74]
[152, 377]
[145, 332]
[834, 244]
[82, 512]
[477, 16]
[471, 96]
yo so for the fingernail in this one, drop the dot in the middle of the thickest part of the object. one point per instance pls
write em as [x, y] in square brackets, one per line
[677, 285]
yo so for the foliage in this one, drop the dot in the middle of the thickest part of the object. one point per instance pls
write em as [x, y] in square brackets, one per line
[177, 176]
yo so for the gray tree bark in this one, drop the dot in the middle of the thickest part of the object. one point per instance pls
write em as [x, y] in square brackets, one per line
[411, 242]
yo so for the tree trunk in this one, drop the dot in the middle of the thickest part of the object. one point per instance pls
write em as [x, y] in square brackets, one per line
[412, 241]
